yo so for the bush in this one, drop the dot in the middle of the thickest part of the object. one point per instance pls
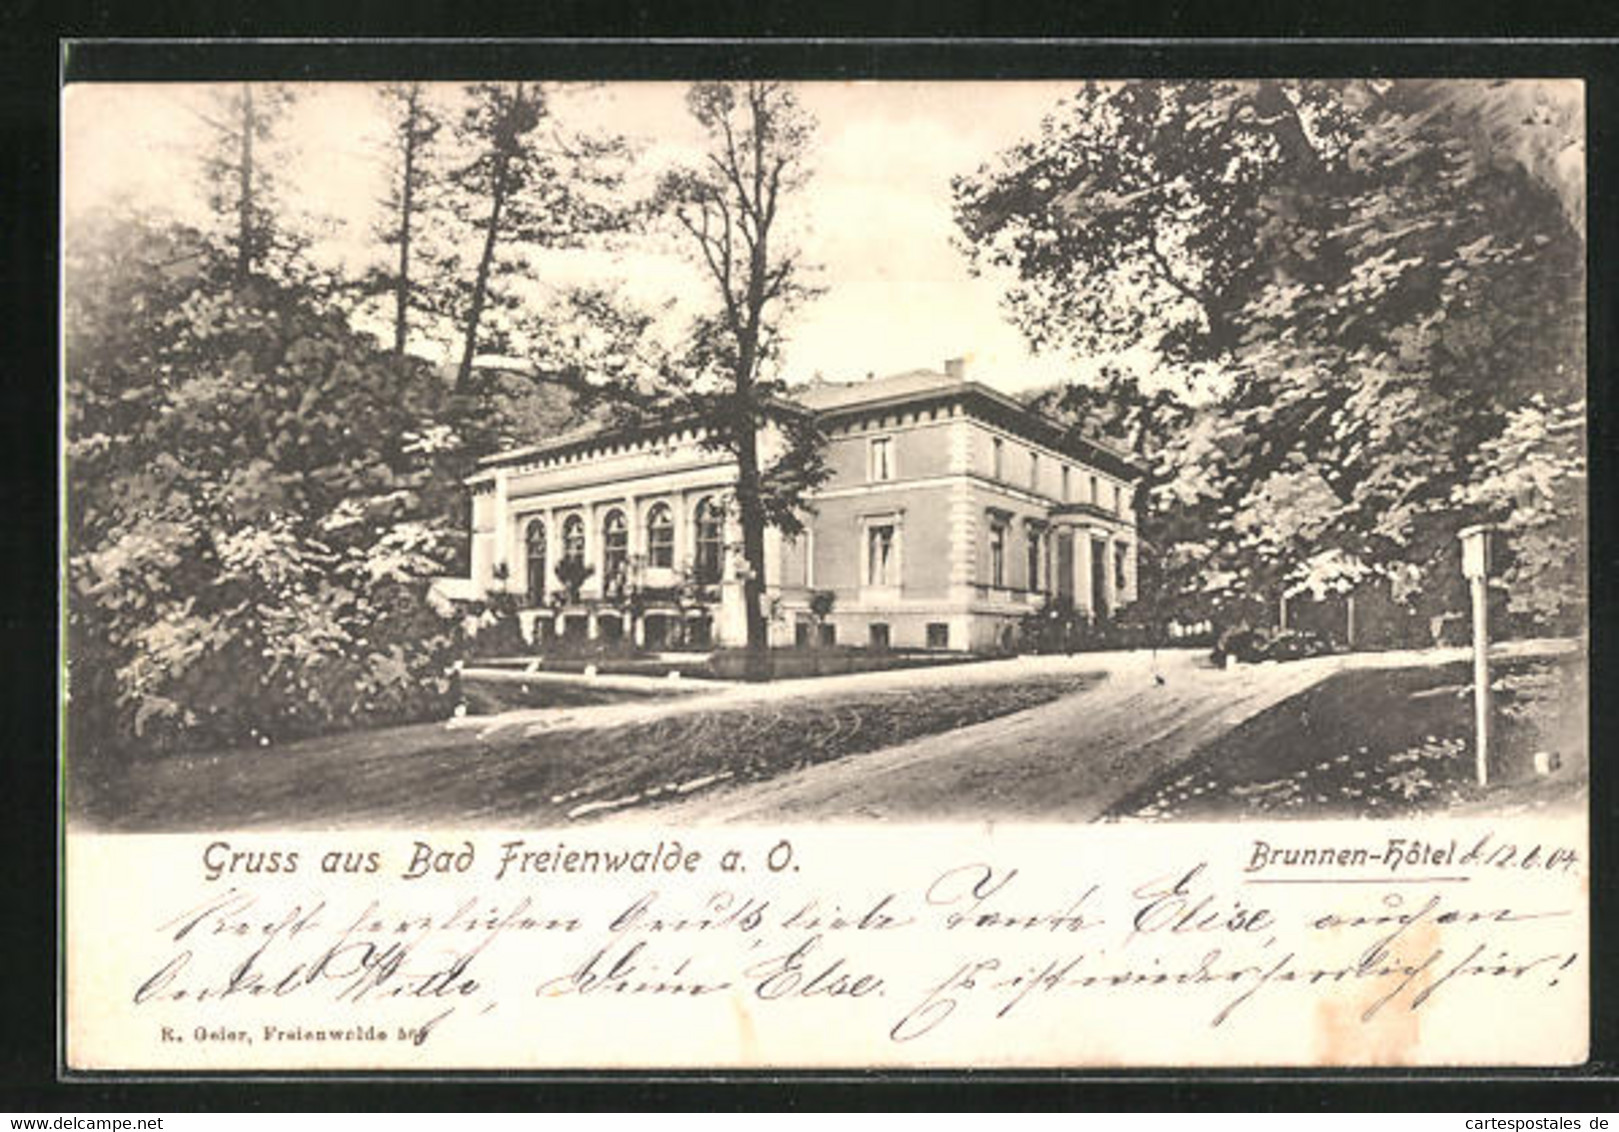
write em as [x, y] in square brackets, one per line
[1251, 646]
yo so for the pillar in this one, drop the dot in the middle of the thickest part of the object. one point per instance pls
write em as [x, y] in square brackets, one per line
[592, 514]
[682, 503]
[503, 530]
[1084, 598]
[731, 624]
[553, 549]
[1109, 589]
[637, 540]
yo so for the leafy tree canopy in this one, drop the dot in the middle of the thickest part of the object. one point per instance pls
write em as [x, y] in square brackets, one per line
[1363, 283]
[253, 502]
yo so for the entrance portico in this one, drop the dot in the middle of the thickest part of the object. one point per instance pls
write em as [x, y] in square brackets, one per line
[1096, 562]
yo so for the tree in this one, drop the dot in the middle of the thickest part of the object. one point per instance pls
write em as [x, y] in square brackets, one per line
[1360, 282]
[730, 211]
[524, 187]
[414, 126]
[252, 502]
[243, 189]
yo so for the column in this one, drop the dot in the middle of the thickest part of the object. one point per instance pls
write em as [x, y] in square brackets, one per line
[482, 545]
[503, 531]
[1109, 590]
[1084, 598]
[553, 549]
[682, 502]
[637, 539]
[731, 626]
[593, 555]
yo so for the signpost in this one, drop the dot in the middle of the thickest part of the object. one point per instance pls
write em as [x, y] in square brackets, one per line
[1476, 569]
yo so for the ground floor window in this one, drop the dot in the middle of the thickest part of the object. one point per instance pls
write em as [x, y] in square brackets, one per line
[660, 537]
[879, 635]
[880, 564]
[655, 629]
[615, 548]
[710, 542]
[535, 545]
[610, 629]
[575, 628]
[802, 631]
[938, 635]
[829, 636]
[700, 632]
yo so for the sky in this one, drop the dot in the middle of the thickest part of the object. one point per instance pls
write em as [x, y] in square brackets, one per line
[876, 216]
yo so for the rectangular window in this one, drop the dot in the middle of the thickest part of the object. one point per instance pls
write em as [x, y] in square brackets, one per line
[1034, 561]
[829, 635]
[879, 635]
[938, 635]
[1096, 492]
[880, 467]
[801, 634]
[880, 555]
[1121, 573]
[999, 458]
[1034, 471]
[1067, 488]
[997, 555]
[1118, 499]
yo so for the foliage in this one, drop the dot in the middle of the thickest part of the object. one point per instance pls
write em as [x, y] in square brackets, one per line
[572, 572]
[253, 503]
[1357, 287]
[821, 603]
[244, 187]
[414, 190]
[729, 211]
[520, 185]
[1251, 646]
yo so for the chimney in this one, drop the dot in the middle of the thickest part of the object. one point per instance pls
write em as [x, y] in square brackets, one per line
[956, 369]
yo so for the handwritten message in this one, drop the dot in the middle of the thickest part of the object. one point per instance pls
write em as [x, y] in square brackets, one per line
[1301, 944]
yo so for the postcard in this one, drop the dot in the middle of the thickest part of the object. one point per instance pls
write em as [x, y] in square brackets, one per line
[887, 574]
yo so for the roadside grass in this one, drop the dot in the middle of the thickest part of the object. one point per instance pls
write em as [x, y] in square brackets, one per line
[1381, 743]
[428, 774]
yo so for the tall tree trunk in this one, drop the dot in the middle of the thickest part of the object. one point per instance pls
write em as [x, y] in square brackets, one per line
[480, 285]
[406, 210]
[245, 256]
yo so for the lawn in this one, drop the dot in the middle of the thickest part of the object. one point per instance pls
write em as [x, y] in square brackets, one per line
[429, 774]
[1381, 743]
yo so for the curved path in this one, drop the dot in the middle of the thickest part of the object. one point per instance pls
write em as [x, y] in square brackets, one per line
[1065, 761]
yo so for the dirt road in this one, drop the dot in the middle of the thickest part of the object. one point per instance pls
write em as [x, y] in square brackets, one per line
[1066, 761]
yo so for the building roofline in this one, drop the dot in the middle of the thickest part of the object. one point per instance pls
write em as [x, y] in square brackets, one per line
[1104, 456]
[1013, 413]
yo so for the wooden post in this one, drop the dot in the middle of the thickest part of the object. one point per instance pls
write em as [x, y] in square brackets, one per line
[1476, 568]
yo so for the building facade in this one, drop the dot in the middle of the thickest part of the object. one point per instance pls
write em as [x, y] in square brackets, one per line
[951, 512]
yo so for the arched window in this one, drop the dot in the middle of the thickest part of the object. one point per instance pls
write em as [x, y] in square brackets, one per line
[573, 537]
[710, 541]
[615, 547]
[534, 547]
[660, 537]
